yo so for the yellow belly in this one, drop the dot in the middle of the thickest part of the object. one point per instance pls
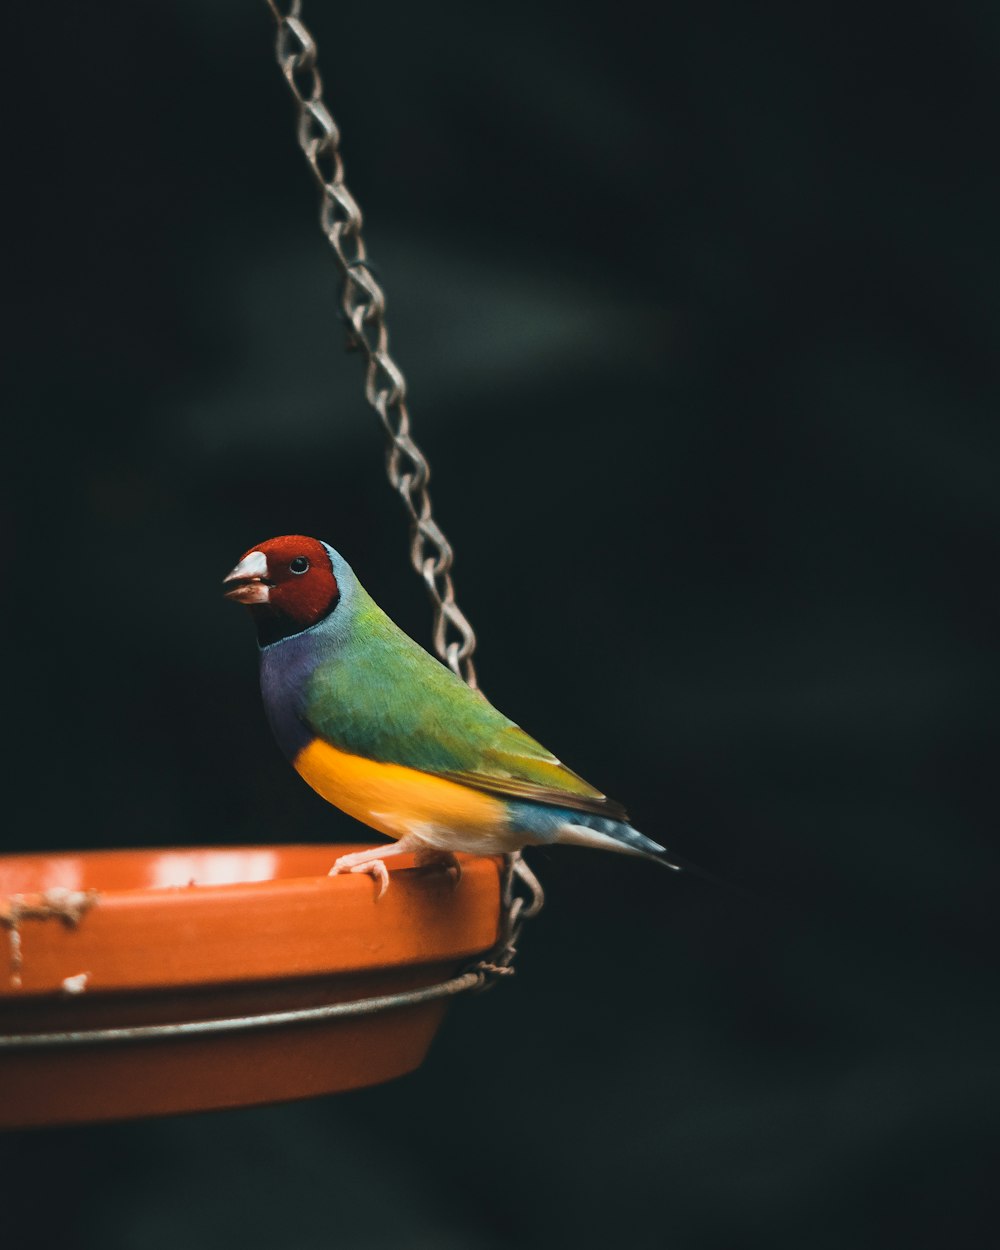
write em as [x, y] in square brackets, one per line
[398, 801]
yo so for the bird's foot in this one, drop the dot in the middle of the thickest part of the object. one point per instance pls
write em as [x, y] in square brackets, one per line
[364, 861]
[445, 859]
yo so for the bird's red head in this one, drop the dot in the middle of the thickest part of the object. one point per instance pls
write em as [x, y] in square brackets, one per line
[288, 583]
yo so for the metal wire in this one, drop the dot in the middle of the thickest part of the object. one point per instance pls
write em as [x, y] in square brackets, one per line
[240, 1024]
[363, 303]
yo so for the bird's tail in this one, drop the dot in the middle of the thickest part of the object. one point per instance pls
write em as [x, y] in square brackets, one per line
[583, 829]
[613, 835]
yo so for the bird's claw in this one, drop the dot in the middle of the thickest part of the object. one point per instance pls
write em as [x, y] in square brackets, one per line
[374, 868]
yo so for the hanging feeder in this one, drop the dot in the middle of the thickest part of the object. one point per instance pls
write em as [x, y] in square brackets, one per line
[175, 980]
[149, 982]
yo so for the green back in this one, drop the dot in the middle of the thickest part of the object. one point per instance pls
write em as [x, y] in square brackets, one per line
[376, 693]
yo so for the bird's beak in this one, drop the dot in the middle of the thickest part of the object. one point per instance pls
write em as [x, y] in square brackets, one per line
[247, 583]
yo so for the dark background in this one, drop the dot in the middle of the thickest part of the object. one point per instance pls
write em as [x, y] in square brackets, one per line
[699, 315]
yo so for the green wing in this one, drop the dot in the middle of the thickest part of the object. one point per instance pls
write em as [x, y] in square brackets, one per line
[382, 696]
[510, 787]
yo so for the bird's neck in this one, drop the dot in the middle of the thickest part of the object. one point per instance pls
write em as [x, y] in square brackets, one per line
[273, 625]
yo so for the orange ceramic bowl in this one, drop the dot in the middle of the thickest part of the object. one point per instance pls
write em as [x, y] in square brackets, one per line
[155, 981]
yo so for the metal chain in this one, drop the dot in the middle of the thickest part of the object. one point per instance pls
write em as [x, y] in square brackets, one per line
[363, 303]
[521, 898]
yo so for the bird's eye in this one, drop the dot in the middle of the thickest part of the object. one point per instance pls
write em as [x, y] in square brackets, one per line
[299, 565]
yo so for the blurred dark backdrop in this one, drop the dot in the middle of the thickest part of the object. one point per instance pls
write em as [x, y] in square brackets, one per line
[699, 313]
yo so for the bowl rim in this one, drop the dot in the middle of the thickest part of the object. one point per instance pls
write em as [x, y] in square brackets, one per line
[239, 931]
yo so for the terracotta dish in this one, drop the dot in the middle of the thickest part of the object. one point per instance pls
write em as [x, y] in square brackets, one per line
[148, 982]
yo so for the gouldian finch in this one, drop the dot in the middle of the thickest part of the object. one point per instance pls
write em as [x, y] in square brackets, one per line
[385, 732]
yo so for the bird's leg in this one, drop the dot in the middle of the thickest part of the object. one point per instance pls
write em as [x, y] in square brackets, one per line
[370, 861]
[428, 856]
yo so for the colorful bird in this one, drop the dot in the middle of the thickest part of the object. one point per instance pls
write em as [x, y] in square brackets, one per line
[385, 732]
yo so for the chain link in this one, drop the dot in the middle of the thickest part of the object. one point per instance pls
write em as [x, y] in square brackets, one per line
[363, 304]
